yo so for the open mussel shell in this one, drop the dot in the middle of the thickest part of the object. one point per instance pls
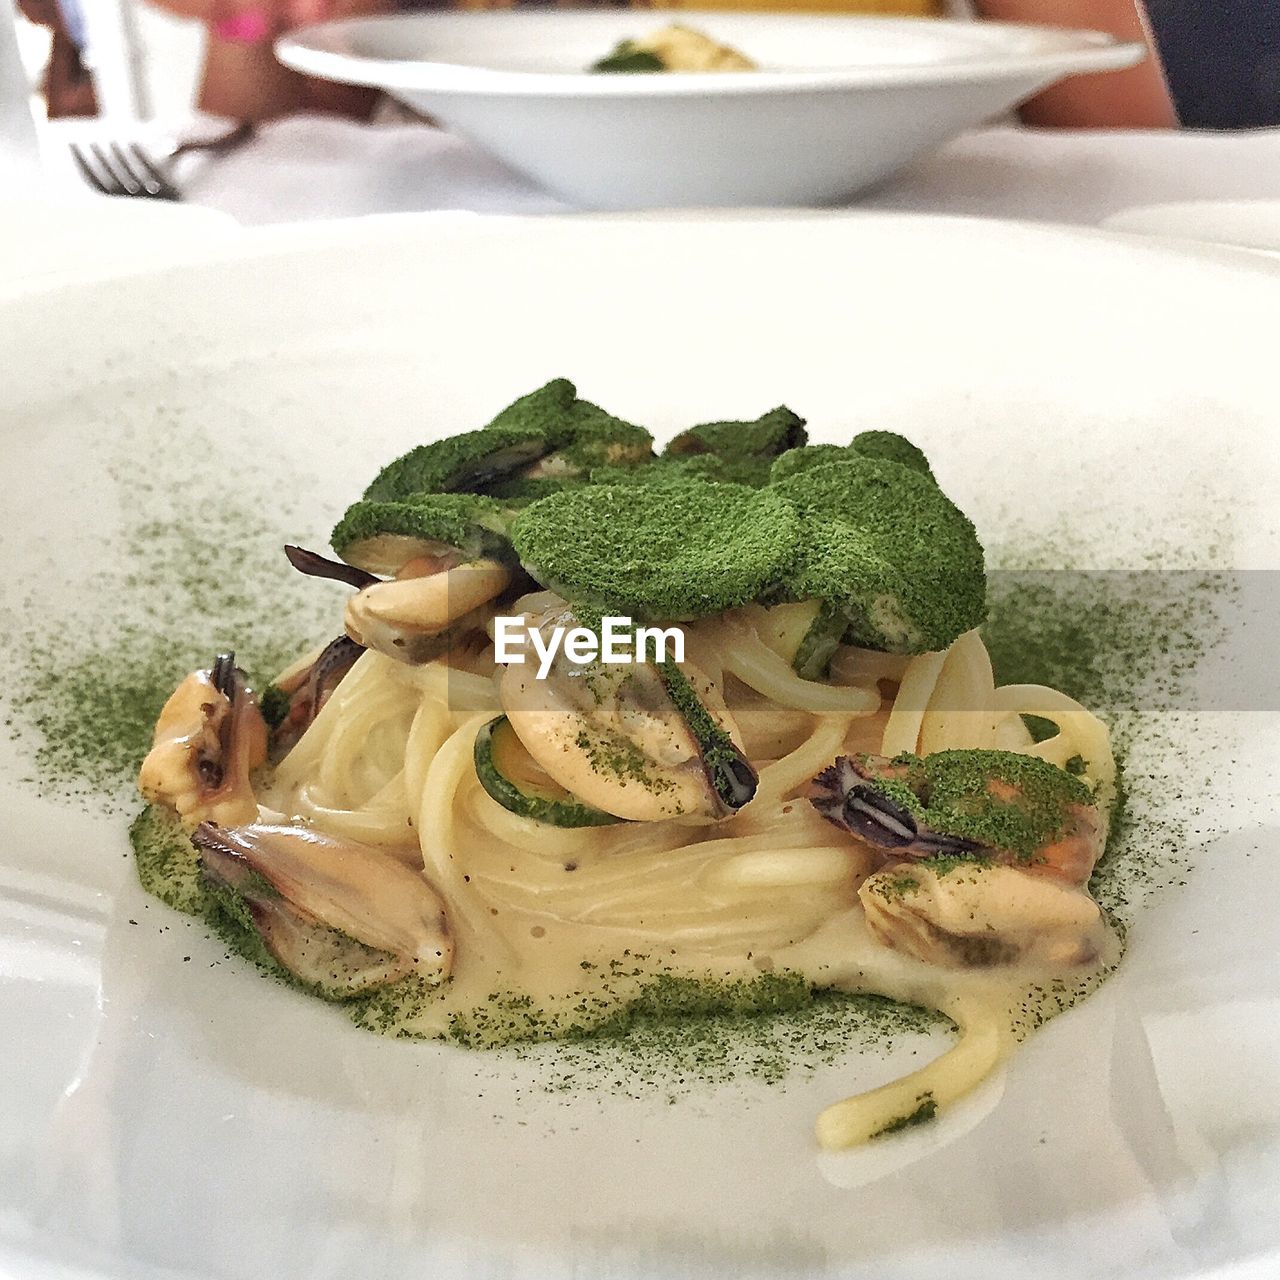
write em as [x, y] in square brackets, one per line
[308, 691]
[848, 794]
[340, 916]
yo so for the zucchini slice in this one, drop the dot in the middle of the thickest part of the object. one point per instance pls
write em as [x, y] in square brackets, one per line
[512, 777]
[812, 660]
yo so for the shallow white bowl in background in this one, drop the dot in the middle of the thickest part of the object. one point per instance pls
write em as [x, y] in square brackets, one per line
[839, 103]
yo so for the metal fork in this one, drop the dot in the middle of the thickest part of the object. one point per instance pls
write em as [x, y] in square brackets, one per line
[127, 170]
[117, 170]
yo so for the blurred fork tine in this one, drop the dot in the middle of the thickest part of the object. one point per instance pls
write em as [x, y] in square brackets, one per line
[156, 177]
[128, 176]
[121, 184]
[90, 174]
[116, 171]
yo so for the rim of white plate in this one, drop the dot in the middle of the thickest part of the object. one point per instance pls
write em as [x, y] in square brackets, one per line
[344, 51]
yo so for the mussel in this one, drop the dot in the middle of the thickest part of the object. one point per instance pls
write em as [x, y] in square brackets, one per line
[342, 917]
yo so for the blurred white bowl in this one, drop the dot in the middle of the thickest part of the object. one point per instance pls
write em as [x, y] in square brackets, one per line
[839, 102]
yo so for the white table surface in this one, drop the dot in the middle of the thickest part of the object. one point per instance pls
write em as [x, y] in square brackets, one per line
[311, 168]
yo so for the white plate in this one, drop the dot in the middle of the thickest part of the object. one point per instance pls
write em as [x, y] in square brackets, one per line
[56, 235]
[164, 1118]
[839, 104]
[1247, 224]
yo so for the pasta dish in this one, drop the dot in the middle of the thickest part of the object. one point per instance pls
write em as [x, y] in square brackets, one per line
[744, 725]
[674, 48]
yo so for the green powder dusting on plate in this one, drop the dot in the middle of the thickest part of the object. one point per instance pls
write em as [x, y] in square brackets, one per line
[176, 583]
[635, 1031]
[1128, 645]
[681, 1034]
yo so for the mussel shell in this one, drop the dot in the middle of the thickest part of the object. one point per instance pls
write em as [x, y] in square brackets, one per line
[339, 915]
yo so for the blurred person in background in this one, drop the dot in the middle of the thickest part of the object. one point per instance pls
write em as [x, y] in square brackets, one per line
[242, 79]
[1139, 98]
[68, 84]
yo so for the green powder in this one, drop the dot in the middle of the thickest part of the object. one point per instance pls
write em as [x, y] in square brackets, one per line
[167, 862]
[673, 1033]
[176, 586]
[550, 420]
[749, 469]
[682, 1033]
[611, 755]
[660, 553]
[767, 436]
[885, 445]
[625, 57]
[926, 1111]
[526, 430]
[884, 544]
[1111, 640]
[892, 447]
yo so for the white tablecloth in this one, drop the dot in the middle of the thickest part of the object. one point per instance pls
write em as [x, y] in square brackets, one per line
[309, 168]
